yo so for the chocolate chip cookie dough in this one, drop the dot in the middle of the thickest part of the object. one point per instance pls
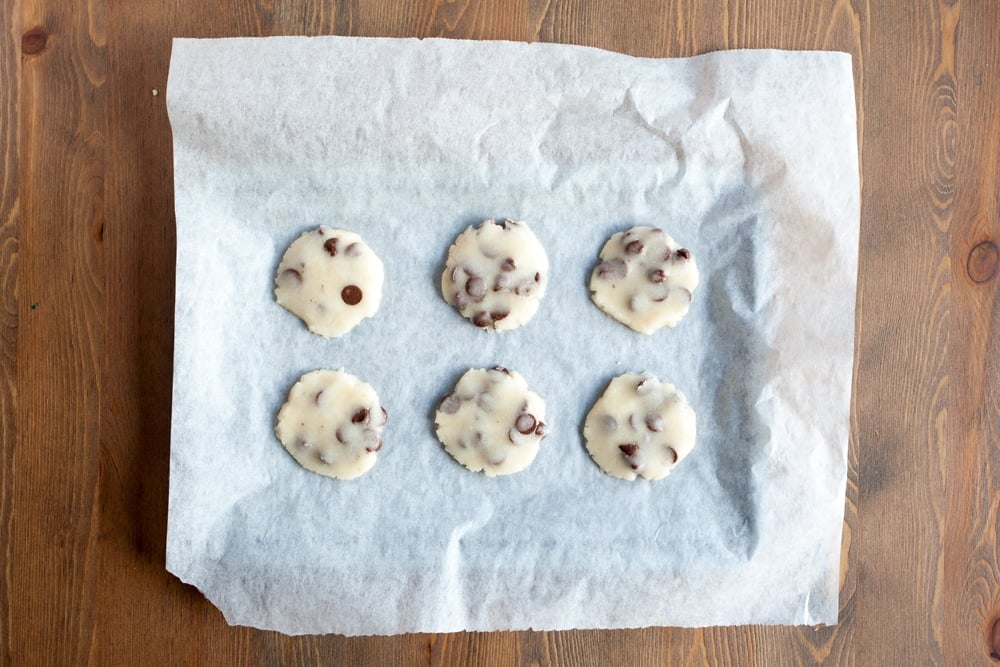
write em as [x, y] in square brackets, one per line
[639, 427]
[332, 424]
[492, 422]
[645, 280]
[331, 280]
[496, 274]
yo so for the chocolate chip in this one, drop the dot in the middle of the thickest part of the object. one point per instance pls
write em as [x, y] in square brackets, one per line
[654, 423]
[525, 423]
[376, 447]
[501, 369]
[341, 436]
[508, 264]
[673, 453]
[461, 300]
[610, 423]
[687, 293]
[502, 282]
[613, 269]
[541, 430]
[629, 449]
[482, 319]
[524, 289]
[324, 459]
[538, 277]
[486, 402]
[451, 404]
[656, 276]
[454, 274]
[476, 287]
[331, 246]
[639, 303]
[498, 315]
[353, 250]
[360, 416]
[290, 276]
[474, 440]
[634, 247]
[385, 414]
[351, 295]
[318, 394]
[682, 254]
[645, 385]
[662, 298]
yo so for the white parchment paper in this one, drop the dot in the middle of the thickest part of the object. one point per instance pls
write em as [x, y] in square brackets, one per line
[749, 158]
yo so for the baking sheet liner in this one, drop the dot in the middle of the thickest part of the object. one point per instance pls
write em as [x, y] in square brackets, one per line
[749, 158]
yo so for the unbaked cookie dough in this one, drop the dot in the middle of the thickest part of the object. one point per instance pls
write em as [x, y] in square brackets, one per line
[644, 280]
[496, 274]
[330, 279]
[640, 426]
[492, 422]
[332, 424]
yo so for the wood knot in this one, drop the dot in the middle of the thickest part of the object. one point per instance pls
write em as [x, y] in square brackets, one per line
[995, 640]
[33, 42]
[983, 261]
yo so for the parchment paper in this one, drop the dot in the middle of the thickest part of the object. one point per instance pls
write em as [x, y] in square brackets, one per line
[749, 158]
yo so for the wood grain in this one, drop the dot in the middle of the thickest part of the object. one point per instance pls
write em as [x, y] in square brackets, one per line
[53, 554]
[86, 327]
[926, 409]
[10, 87]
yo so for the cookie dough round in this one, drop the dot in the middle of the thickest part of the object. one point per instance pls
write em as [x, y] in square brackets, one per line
[492, 422]
[496, 274]
[330, 279]
[332, 424]
[644, 280]
[640, 426]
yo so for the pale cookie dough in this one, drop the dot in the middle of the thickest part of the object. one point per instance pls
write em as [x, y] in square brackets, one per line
[496, 274]
[330, 279]
[645, 279]
[332, 424]
[492, 422]
[640, 426]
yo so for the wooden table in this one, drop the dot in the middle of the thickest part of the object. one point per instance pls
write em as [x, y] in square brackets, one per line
[86, 327]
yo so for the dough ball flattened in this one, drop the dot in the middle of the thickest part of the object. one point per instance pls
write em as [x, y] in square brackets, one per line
[496, 274]
[331, 280]
[332, 424]
[639, 427]
[492, 422]
[644, 280]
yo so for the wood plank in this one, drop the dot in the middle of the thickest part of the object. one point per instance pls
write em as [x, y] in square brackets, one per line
[923, 340]
[52, 564]
[10, 213]
[966, 168]
[136, 370]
